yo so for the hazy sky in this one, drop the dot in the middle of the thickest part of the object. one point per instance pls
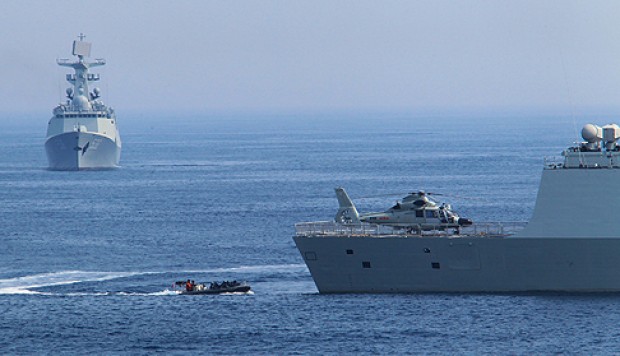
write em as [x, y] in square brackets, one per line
[413, 56]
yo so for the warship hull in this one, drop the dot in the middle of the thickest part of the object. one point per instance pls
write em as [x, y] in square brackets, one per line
[72, 151]
[476, 264]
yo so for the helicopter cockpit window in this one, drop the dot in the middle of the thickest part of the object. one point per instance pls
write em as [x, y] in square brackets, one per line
[396, 207]
[431, 214]
[419, 214]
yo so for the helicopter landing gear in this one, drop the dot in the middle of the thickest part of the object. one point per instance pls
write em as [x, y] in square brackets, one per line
[414, 230]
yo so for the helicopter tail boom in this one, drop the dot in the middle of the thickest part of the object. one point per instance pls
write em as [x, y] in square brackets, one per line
[347, 213]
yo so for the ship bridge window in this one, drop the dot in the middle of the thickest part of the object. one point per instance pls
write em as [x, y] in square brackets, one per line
[349, 252]
[366, 264]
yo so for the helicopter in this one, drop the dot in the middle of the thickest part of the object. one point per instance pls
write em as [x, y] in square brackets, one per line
[416, 212]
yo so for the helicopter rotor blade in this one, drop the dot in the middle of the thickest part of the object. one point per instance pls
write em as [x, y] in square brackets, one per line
[403, 194]
[451, 196]
[385, 195]
[400, 194]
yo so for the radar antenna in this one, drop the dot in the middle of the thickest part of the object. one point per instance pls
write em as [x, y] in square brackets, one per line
[80, 98]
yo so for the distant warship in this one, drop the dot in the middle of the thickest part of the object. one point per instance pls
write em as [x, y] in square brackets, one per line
[82, 134]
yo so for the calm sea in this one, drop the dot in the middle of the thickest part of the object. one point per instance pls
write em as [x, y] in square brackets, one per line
[87, 259]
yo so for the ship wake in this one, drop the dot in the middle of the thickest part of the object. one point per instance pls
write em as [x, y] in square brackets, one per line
[30, 284]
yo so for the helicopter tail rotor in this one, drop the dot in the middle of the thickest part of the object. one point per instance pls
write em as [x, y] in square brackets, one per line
[347, 213]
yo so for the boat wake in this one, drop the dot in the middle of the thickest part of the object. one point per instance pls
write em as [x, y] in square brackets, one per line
[238, 293]
[28, 285]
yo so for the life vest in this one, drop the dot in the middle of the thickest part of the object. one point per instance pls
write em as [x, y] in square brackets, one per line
[188, 286]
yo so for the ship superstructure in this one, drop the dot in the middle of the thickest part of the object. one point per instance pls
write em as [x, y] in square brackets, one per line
[83, 132]
[571, 244]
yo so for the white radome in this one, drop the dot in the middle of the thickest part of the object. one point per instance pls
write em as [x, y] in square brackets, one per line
[592, 133]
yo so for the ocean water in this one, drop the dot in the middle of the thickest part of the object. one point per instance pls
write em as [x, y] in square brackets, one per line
[87, 259]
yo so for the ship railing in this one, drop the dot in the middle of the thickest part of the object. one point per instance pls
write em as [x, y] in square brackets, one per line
[85, 113]
[331, 228]
[593, 160]
[495, 228]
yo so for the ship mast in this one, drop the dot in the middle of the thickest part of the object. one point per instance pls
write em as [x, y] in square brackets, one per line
[79, 96]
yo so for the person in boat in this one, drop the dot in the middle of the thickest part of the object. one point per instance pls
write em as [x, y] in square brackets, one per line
[189, 286]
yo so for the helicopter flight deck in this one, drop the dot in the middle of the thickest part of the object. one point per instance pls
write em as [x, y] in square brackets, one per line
[571, 244]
